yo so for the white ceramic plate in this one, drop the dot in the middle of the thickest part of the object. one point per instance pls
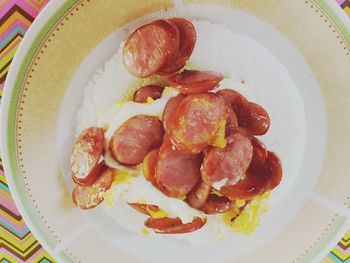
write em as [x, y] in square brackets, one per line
[71, 39]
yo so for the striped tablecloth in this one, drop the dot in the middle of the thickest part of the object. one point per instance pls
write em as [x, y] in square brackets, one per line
[17, 244]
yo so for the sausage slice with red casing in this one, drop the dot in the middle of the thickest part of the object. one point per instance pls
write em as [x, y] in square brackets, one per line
[188, 39]
[234, 99]
[197, 121]
[198, 195]
[217, 204]
[135, 138]
[145, 209]
[176, 173]
[87, 197]
[169, 108]
[226, 166]
[86, 154]
[149, 166]
[259, 153]
[152, 91]
[257, 180]
[195, 81]
[149, 47]
[174, 225]
[254, 118]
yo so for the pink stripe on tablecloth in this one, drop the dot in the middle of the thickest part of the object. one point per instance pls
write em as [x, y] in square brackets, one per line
[36, 255]
[18, 227]
[17, 23]
[8, 204]
[340, 2]
[29, 8]
[10, 50]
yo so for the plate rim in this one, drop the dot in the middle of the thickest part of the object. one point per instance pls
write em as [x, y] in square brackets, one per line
[29, 45]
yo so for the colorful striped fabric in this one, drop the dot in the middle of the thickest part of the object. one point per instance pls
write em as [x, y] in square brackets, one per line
[345, 4]
[17, 244]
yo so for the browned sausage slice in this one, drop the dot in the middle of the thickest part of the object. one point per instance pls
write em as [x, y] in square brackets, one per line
[87, 197]
[149, 166]
[152, 91]
[196, 122]
[273, 170]
[226, 166]
[86, 155]
[233, 99]
[250, 115]
[232, 122]
[250, 186]
[144, 208]
[195, 81]
[188, 39]
[259, 153]
[198, 195]
[257, 180]
[217, 204]
[149, 47]
[174, 225]
[177, 173]
[254, 118]
[169, 108]
[136, 138]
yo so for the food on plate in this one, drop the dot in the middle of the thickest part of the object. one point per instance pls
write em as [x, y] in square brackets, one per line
[217, 204]
[254, 117]
[181, 155]
[135, 138]
[87, 197]
[86, 154]
[259, 153]
[148, 91]
[149, 166]
[150, 47]
[168, 225]
[198, 194]
[188, 39]
[197, 122]
[226, 166]
[195, 81]
[176, 172]
[171, 105]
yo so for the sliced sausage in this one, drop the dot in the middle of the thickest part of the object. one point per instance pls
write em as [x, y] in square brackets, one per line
[254, 118]
[177, 173]
[196, 122]
[195, 81]
[152, 91]
[149, 47]
[217, 204]
[257, 180]
[169, 108]
[250, 186]
[231, 123]
[144, 208]
[87, 197]
[188, 39]
[134, 139]
[227, 166]
[233, 99]
[198, 195]
[86, 154]
[250, 115]
[149, 166]
[174, 225]
[273, 170]
[259, 153]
